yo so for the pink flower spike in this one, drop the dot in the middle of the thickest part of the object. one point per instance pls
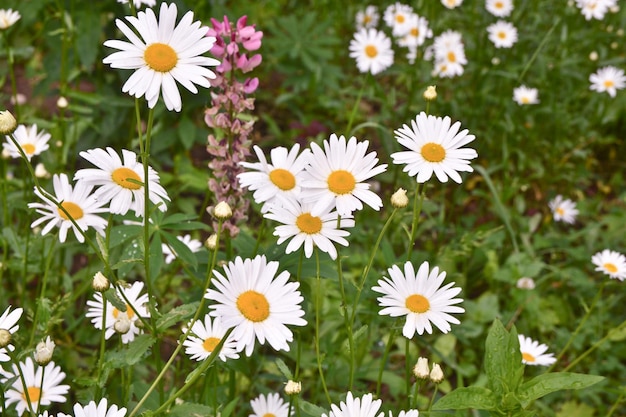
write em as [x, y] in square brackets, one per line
[241, 22]
[253, 42]
[251, 85]
[232, 48]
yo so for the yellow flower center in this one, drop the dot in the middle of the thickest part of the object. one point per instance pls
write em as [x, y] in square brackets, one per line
[415, 32]
[498, 5]
[309, 224]
[269, 415]
[371, 51]
[610, 267]
[341, 182]
[502, 35]
[433, 152]
[73, 209]
[451, 57]
[29, 148]
[609, 83]
[129, 312]
[560, 211]
[367, 19]
[160, 57]
[210, 343]
[34, 393]
[122, 175]
[528, 357]
[254, 306]
[400, 18]
[526, 100]
[417, 303]
[283, 179]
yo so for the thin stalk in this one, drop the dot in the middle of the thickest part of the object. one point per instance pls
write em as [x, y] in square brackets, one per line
[595, 346]
[346, 319]
[318, 313]
[417, 210]
[43, 374]
[23, 380]
[102, 347]
[355, 108]
[383, 360]
[611, 411]
[432, 399]
[42, 293]
[407, 372]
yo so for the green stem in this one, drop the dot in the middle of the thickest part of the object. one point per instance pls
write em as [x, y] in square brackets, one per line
[102, 348]
[23, 380]
[407, 371]
[432, 399]
[536, 53]
[11, 62]
[346, 319]
[611, 411]
[318, 313]
[354, 110]
[42, 293]
[417, 210]
[383, 360]
[595, 346]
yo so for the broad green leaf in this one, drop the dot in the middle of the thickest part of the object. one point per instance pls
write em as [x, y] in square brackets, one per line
[111, 296]
[576, 409]
[544, 384]
[228, 410]
[478, 398]
[309, 409]
[131, 355]
[176, 315]
[181, 250]
[191, 410]
[284, 369]
[503, 359]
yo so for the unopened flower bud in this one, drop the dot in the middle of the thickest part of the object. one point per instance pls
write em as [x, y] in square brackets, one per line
[41, 171]
[399, 198]
[122, 324]
[44, 350]
[5, 338]
[293, 387]
[222, 211]
[211, 242]
[430, 93]
[436, 375]
[421, 370]
[100, 283]
[593, 56]
[526, 283]
[8, 124]
[62, 102]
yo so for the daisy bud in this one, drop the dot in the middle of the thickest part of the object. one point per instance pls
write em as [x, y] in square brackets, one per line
[436, 375]
[431, 93]
[495, 61]
[41, 172]
[44, 350]
[593, 56]
[421, 370]
[222, 211]
[5, 338]
[8, 124]
[122, 324]
[526, 283]
[211, 242]
[293, 387]
[399, 199]
[100, 283]
[62, 102]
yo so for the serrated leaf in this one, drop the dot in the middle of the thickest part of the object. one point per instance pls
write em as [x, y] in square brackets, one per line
[132, 354]
[284, 369]
[544, 384]
[503, 359]
[111, 296]
[176, 315]
[468, 398]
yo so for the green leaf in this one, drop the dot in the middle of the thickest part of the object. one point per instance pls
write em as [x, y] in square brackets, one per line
[284, 369]
[191, 410]
[177, 314]
[468, 398]
[228, 410]
[181, 250]
[503, 359]
[131, 355]
[186, 132]
[88, 25]
[544, 384]
[156, 256]
[111, 296]
[309, 409]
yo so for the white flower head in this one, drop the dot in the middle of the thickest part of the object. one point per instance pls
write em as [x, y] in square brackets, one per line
[563, 210]
[194, 245]
[534, 353]
[435, 146]
[595, 9]
[270, 405]
[499, 8]
[397, 16]
[417, 32]
[120, 182]
[44, 351]
[449, 54]
[364, 406]
[204, 338]
[255, 301]
[367, 18]
[78, 201]
[336, 175]
[93, 409]
[30, 140]
[502, 34]
[139, 3]
[525, 95]
[40, 392]
[372, 50]
[611, 263]
[451, 4]
[8, 322]
[8, 17]
[129, 317]
[420, 297]
[608, 79]
[163, 53]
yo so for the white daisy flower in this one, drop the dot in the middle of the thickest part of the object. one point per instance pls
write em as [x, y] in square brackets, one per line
[420, 297]
[139, 3]
[396, 16]
[311, 230]
[563, 210]
[335, 176]
[94, 409]
[269, 406]
[499, 8]
[79, 202]
[113, 315]
[8, 322]
[121, 183]
[534, 353]
[194, 245]
[595, 9]
[8, 17]
[277, 181]
[451, 4]
[523, 95]
[39, 392]
[367, 18]
[609, 79]
[611, 263]
[372, 50]
[257, 303]
[502, 34]
[434, 146]
[417, 33]
[162, 54]
[449, 54]
[32, 142]
[364, 406]
[205, 336]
